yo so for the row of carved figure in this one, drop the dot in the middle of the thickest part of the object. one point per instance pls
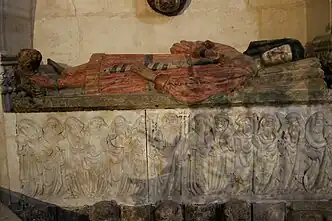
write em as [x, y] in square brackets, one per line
[254, 154]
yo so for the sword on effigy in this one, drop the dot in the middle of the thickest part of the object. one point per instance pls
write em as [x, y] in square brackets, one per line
[146, 71]
[206, 57]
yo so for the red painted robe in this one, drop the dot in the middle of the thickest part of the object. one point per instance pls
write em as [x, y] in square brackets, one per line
[193, 84]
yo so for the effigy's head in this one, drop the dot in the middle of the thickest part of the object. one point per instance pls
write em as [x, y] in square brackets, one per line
[29, 59]
[167, 7]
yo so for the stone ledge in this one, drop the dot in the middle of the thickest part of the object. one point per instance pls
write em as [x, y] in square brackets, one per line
[157, 101]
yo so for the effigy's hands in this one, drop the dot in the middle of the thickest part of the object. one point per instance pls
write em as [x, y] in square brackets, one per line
[186, 47]
[201, 49]
[143, 71]
[216, 51]
[137, 67]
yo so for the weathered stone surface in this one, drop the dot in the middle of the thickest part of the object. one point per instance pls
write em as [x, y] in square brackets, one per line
[168, 211]
[105, 210]
[318, 208]
[6, 214]
[269, 211]
[237, 210]
[195, 212]
[196, 156]
[310, 206]
[136, 213]
[305, 216]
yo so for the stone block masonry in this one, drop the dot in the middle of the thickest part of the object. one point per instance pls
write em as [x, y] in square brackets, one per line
[233, 210]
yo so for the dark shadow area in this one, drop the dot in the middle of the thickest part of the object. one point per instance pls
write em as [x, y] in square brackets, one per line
[17, 18]
[28, 209]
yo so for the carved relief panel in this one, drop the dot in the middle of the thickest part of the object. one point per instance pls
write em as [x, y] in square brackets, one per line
[216, 158]
[85, 155]
[166, 134]
[177, 154]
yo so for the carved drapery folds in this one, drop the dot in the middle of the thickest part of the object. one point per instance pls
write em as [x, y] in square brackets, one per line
[177, 154]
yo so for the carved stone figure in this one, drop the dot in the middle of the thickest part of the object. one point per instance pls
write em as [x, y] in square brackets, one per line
[93, 157]
[201, 176]
[315, 176]
[290, 147]
[31, 157]
[164, 141]
[222, 155]
[246, 129]
[266, 158]
[74, 132]
[53, 162]
[136, 168]
[277, 51]
[187, 84]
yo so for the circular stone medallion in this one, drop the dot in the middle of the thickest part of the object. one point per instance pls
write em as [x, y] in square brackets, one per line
[167, 7]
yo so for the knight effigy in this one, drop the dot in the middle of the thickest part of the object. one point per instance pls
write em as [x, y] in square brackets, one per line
[194, 72]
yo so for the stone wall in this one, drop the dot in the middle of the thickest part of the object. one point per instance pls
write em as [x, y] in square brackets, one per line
[69, 30]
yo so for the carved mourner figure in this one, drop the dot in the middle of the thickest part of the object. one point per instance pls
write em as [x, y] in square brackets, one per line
[291, 150]
[93, 158]
[74, 132]
[30, 156]
[164, 141]
[221, 156]
[197, 167]
[266, 158]
[53, 142]
[246, 128]
[117, 149]
[137, 173]
[315, 177]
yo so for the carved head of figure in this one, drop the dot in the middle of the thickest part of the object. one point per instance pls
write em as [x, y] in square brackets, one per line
[52, 127]
[119, 125]
[74, 126]
[167, 7]
[27, 130]
[295, 124]
[246, 124]
[29, 60]
[202, 124]
[268, 126]
[314, 130]
[278, 55]
[96, 124]
[171, 121]
[221, 122]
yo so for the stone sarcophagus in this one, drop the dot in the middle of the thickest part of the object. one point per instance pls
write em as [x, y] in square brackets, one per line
[203, 155]
[262, 134]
